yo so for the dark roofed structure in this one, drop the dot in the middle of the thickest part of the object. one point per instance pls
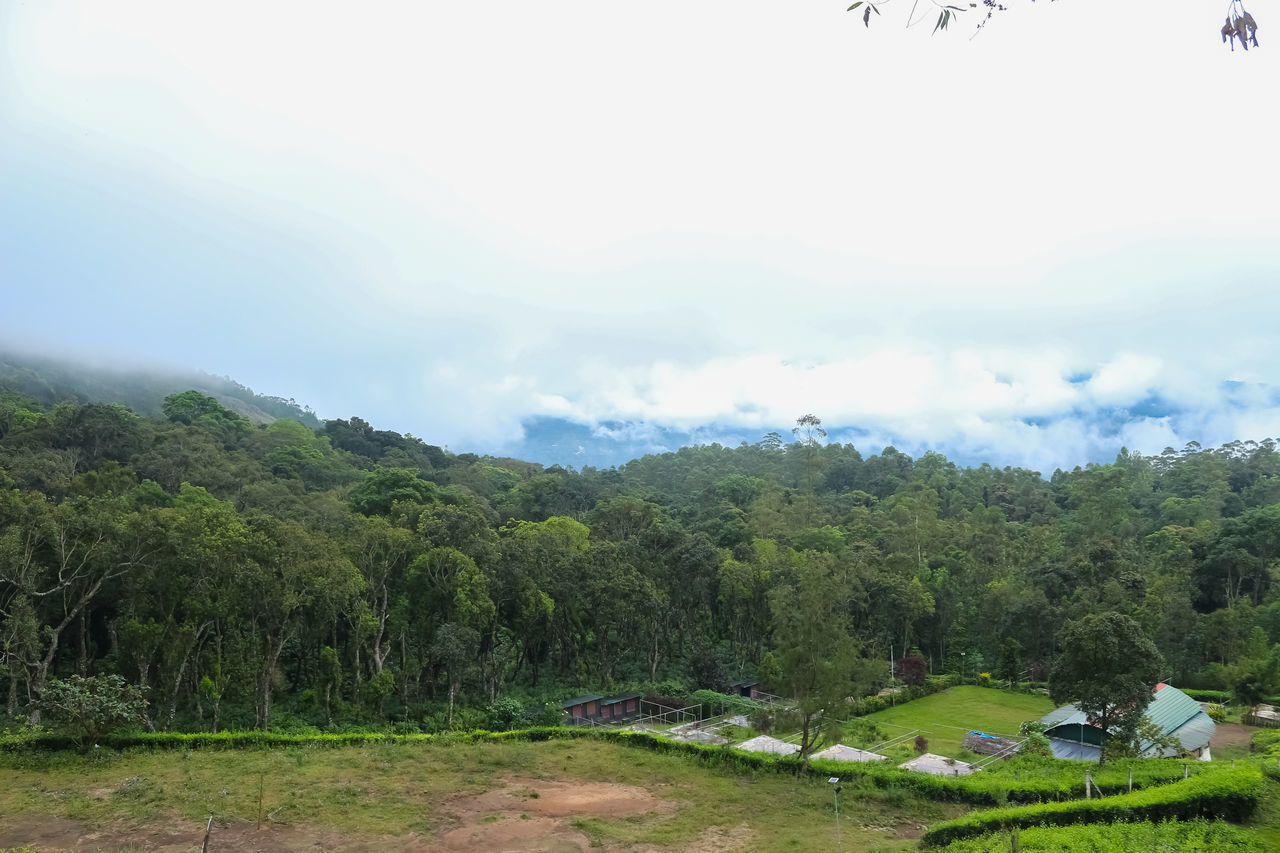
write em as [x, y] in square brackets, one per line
[1073, 735]
[621, 707]
[596, 708]
[585, 707]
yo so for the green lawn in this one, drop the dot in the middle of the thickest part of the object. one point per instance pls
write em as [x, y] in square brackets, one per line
[390, 796]
[945, 718]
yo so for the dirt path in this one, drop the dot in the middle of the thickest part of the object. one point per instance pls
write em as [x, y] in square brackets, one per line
[1231, 734]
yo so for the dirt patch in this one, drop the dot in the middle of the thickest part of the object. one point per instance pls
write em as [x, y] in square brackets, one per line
[46, 834]
[906, 829]
[1231, 734]
[719, 839]
[528, 815]
[561, 799]
[537, 815]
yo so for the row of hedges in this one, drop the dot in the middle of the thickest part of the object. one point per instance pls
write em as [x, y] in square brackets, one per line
[1222, 697]
[1193, 836]
[1232, 794]
[932, 684]
[1016, 781]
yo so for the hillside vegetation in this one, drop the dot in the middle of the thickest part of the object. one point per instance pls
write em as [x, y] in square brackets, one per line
[273, 575]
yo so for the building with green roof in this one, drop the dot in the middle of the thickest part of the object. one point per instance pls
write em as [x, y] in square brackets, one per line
[1072, 734]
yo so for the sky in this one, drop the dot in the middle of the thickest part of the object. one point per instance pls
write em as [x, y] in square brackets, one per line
[579, 231]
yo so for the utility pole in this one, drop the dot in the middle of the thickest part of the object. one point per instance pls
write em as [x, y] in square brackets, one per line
[835, 780]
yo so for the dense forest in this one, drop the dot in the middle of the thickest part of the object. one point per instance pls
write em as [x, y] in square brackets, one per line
[275, 575]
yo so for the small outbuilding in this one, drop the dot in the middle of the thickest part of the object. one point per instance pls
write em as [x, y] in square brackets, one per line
[749, 689]
[937, 765]
[1073, 735]
[772, 745]
[840, 752]
[1264, 715]
[582, 708]
[620, 708]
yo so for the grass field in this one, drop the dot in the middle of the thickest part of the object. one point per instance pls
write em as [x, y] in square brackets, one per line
[945, 718]
[467, 796]
[552, 796]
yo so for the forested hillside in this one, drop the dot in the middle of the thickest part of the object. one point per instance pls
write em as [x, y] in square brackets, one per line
[274, 575]
[49, 380]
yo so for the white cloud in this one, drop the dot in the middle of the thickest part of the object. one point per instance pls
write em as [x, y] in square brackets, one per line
[681, 214]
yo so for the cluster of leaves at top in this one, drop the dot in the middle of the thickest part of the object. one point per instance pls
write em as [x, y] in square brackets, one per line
[274, 575]
[1239, 25]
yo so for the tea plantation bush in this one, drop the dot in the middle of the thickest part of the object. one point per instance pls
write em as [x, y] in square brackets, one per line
[1232, 794]
[1166, 837]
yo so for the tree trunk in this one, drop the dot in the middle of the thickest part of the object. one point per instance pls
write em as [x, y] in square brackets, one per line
[380, 653]
[264, 680]
[182, 668]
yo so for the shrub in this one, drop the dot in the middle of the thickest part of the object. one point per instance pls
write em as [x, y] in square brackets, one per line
[1170, 836]
[505, 714]
[1232, 794]
[93, 707]
[911, 669]
[984, 679]
[715, 704]
[1217, 712]
[921, 744]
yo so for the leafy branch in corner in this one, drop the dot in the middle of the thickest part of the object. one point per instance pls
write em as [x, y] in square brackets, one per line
[1240, 25]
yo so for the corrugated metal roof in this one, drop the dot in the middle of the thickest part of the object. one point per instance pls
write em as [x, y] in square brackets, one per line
[1173, 711]
[1072, 751]
[1061, 715]
[590, 697]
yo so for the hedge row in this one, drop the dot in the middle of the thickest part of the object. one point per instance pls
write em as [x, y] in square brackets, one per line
[1231, 794]
[1193, 836]
[932, 684]
[1222, 697]
[1017, 781]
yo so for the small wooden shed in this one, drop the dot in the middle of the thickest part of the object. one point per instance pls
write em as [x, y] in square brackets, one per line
[580, 708]
[748, 689]
[624, 706]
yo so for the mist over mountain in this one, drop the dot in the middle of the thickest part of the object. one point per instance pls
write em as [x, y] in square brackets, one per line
[1081, 436]
[51, 379]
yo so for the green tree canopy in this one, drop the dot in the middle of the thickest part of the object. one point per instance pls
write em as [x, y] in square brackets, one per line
[1108, 667]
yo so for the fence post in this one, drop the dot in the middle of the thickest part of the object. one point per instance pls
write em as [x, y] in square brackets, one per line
[1014, 845]
[204, 847]
[1088, 786]
[1130, 779]
[1186, 770]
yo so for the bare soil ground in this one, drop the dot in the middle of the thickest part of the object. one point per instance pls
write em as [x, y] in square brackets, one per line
[533, 815]
[1231, 734]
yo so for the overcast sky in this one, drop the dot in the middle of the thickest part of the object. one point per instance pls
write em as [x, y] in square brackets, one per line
[1033, 246]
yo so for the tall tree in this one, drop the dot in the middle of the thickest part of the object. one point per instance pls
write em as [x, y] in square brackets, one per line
[1108, 667]
[816, 651]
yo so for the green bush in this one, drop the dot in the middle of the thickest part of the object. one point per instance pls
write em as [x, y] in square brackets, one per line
[506, 714]
[1233, 794]
[1166, 836]
[90, 708]
[714, 704]
[1266, 742]
[1222, 697]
